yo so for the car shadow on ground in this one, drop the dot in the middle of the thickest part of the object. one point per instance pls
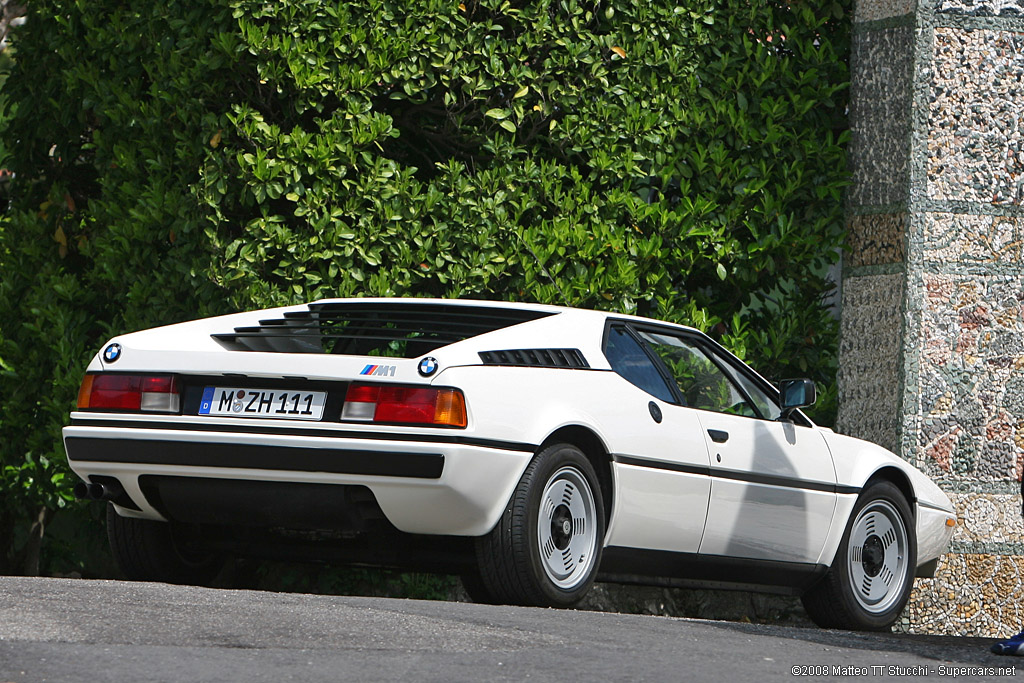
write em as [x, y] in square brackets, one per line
[966, 650]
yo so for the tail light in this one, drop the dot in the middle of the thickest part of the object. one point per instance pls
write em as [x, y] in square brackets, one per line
[405, 405]
[143, 393]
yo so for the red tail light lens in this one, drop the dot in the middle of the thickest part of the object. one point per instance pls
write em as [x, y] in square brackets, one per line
[404, 405]
[134, 393]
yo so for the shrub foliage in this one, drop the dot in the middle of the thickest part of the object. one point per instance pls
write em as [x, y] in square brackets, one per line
[187, 158]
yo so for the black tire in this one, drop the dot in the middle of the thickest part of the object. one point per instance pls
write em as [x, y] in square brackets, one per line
[476, 589]
[146, 550]
[546, 548]
[871, 577]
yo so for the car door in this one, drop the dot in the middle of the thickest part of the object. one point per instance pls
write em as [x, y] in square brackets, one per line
[662, 465]
[773, 489]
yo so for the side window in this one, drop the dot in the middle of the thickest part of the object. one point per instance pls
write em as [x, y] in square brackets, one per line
[766, 405]
[701, 382]
[629, 360]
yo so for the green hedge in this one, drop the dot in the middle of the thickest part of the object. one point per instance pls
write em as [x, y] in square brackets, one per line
[187, 158]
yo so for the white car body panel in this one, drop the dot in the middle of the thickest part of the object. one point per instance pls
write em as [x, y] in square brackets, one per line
[758, 519]
[856, 461]
[658, 508]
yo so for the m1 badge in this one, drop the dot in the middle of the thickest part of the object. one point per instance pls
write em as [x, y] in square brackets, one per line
[379, 370]
[428, 366]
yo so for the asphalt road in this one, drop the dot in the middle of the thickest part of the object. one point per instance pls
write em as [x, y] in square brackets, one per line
[112, 631]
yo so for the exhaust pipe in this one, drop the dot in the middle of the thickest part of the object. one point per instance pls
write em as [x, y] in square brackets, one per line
[81, 491]
[107, 490]
[98, 492]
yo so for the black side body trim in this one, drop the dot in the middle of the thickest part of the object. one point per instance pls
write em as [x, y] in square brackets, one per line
[298, 431]
[635, 565]
[935, 507]
[719, 473]
[197, 454]
[662, 465]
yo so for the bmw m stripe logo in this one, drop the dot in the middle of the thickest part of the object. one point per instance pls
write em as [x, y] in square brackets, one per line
[112, 353]
[428, 366]
[379, 370]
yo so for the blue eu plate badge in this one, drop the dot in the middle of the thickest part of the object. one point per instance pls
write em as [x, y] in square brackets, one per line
[207, 402]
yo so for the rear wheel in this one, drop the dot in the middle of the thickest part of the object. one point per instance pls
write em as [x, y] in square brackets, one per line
[146, 550]
[870, 580]
[546, 548]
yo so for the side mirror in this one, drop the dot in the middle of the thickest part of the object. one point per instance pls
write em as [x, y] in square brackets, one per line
[796, 393]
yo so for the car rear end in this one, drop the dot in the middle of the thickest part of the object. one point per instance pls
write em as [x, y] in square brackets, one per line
[327, 418]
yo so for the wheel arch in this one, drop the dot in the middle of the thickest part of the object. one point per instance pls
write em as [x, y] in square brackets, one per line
[597, 453]
[886, 472]
[897, 478]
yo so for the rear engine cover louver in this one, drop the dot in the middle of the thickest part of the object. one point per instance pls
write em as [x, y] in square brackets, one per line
[539, 358]
[396, 330]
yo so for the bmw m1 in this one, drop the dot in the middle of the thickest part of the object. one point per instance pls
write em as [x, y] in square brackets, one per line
[529, 449]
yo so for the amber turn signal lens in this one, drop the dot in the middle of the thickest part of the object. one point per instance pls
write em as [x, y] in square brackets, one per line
[85, 391]
[951, 521]
[450, 408]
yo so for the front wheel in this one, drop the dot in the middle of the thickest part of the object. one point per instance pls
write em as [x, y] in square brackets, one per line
[546, 548]
[870, 580]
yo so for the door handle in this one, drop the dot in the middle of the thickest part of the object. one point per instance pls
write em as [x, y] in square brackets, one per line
[718, 436]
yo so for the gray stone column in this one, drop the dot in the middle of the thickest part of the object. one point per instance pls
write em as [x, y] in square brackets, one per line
[932, 347]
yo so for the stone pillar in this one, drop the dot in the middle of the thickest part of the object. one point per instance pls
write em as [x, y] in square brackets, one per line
[932, 346]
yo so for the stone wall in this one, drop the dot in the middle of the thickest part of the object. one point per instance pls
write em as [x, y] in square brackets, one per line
[932, 350]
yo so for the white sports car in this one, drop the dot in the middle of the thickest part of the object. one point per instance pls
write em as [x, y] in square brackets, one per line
[530, 449]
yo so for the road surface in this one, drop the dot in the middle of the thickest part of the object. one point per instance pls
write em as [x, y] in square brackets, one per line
[113, 631]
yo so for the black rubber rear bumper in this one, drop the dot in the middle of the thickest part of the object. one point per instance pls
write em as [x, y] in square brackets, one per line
[236, 456]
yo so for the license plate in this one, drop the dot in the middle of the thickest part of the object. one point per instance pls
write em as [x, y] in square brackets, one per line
[272, 403]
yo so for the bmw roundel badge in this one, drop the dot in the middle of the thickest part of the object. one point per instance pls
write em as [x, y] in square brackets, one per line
[112, 353]
[428, 366]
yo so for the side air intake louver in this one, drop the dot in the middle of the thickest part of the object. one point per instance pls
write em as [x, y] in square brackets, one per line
[538, 358]
[397, 330]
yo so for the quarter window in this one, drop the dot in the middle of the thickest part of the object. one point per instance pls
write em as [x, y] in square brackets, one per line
[629, 360]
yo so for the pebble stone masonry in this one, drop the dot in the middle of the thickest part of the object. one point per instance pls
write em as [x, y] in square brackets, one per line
[932, 346]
